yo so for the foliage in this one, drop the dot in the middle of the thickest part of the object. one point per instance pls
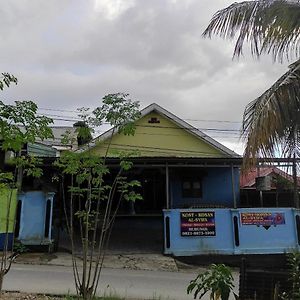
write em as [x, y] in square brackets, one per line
[84, 134]
[270, 26]
[119, 111]
[95, 191]
[20, 248]
[6, 79]
[217, 280]
[271, 121]
[19, 124]
[282, 183]
[293, 261]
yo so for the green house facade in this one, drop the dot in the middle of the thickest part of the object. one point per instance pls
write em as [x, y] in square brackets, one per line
[177, 164]
[8, 203]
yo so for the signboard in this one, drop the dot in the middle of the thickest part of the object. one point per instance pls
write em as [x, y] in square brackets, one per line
[200, 223]
[262, 218]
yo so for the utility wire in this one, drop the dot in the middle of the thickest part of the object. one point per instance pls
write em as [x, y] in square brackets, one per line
[187, 119]
[61, 110]
[231, 131]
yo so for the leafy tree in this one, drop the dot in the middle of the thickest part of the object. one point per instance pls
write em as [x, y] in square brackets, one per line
[271, 122]
[95, 191]
[19, 125]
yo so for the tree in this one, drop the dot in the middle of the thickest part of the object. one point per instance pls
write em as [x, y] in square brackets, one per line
[271, 122]
[19, 124]
[95, 190]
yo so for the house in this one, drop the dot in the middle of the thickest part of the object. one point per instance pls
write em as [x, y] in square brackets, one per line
[32, 208]
[178, 166]
[58, 143]
[267, 186]
[190, 185]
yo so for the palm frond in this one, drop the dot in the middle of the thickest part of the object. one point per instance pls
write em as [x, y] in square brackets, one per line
[271, 123]
[269, 26]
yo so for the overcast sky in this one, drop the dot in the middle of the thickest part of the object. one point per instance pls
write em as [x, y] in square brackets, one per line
[69, 54]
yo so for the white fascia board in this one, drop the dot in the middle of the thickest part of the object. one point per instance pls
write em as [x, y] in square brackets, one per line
[189, 128]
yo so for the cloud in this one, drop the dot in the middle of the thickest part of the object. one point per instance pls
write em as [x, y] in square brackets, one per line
[69, 54]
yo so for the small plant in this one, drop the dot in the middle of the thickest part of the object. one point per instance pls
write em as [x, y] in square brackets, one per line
[19, 248]
[293, 262]
[217, 280]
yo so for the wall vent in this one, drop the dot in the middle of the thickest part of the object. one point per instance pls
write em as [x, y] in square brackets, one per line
[154, 120]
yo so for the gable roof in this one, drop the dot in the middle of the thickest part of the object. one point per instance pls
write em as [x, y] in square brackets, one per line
[248, 180]
[179, 122]
[56, 141]
[195, 131]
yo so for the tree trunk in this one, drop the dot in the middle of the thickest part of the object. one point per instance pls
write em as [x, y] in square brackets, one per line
[1, 280]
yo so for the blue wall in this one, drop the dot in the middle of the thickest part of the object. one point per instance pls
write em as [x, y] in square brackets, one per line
[216, 188]
[33, 217]
[252, 239]
[2, 240]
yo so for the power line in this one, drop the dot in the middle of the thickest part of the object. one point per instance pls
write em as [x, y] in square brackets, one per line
[66, 120]
[62, 110]
[217, 121]
[187, 119]
[220, 130]
[61, 117]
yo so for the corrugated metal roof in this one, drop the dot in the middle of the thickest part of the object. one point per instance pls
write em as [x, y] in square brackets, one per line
[248, 180]
[40, 150]
[58, 133]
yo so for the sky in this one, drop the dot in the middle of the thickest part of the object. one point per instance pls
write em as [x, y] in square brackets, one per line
[69, 54]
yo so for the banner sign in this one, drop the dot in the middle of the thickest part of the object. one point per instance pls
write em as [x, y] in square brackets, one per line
[262, 218]
[198, 223]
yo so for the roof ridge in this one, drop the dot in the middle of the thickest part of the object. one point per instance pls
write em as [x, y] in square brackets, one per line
[185, 125]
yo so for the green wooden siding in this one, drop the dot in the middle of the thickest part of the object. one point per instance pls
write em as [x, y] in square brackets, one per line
[8, 198]
[163, 139]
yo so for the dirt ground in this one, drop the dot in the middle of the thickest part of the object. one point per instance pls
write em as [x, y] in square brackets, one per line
[25, 296]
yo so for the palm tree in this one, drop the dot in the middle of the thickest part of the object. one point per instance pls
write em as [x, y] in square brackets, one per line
[271, 122]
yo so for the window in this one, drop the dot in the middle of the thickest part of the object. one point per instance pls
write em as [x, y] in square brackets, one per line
[191, 188]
